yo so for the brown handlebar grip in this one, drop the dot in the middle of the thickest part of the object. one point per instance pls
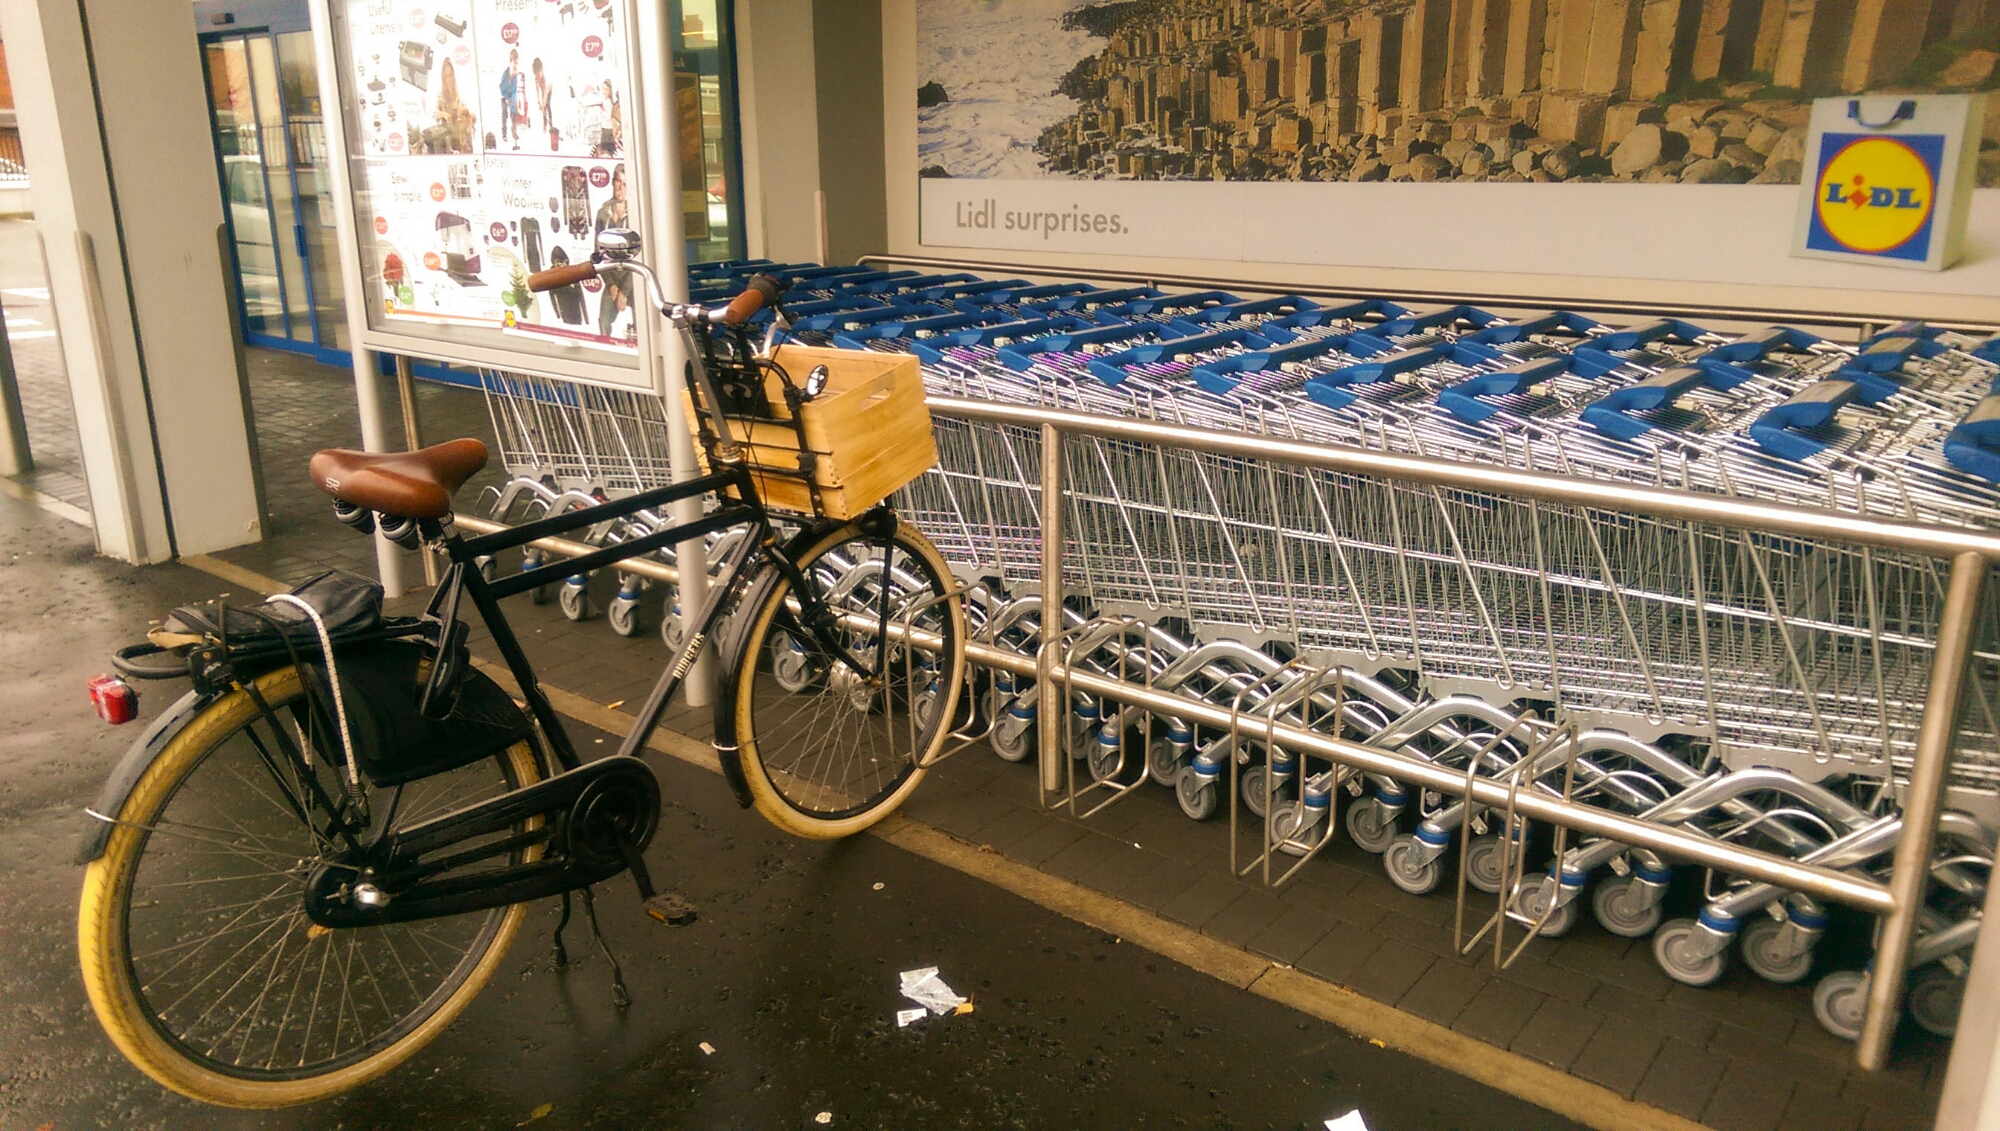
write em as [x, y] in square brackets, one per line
[561, 276]
[763, 290]
[743, 306]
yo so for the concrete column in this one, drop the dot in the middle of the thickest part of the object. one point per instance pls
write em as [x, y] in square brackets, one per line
[779, 107]
[1527, 30]
[1459, 61]
[1886, 37]
[1567, 55]
[1658, 61]
[1288, 61]
[1344, 87]
[1486, 47]
[1309, 83]
[1379, 69]
[1726, 39]
[1614, 39]
[1812, 45]
[114, 120]
[1426, 50]
[1770, 34]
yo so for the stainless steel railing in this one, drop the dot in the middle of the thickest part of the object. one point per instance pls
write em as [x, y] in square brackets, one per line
[1971, 553]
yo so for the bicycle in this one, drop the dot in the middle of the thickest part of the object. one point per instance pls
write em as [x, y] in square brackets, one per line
[311, 863]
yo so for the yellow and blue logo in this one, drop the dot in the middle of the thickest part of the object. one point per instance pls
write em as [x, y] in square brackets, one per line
[1876, 195]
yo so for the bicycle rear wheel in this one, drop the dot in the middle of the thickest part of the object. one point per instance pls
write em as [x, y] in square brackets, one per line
[834, 738]
[197, 953]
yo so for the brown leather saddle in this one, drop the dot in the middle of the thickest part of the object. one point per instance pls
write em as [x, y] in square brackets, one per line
[416, 484]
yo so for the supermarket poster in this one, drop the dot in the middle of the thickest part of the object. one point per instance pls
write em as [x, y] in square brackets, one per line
[493, 135]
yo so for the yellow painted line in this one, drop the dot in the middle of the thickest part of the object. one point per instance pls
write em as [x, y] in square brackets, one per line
[1364, 1017]
[234, 574]
[48, 503]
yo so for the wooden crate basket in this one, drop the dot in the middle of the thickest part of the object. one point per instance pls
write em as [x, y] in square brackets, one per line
[869, 427]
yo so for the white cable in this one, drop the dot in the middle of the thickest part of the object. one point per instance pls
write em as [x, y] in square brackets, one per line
[332, 677]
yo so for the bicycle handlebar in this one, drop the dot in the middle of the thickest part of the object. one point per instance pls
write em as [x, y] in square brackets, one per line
[554, 277]
[763, 290]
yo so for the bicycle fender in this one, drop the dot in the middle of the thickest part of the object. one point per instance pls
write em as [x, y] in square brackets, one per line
[125, 777]
[726, 750]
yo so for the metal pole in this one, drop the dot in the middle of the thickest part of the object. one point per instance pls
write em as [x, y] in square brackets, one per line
[413, 438]
[367, 393]
[1921, 802]
[660, 118]
[1051, 710]
[15, 457]
[374, 438]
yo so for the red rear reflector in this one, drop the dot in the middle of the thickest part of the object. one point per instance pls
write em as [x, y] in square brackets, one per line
[114, 699]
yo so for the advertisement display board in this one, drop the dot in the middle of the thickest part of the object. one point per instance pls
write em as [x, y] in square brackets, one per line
[1662, 141]
[488, 140]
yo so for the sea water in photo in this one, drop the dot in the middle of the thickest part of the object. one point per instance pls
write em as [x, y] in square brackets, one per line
[999, 62]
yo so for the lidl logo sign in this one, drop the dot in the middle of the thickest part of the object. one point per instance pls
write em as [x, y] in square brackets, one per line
[1877, 195]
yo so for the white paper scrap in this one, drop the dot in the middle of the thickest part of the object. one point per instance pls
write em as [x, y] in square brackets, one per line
[1352, 1121]
[905, 1017]
[928, 990]
[707, 1048]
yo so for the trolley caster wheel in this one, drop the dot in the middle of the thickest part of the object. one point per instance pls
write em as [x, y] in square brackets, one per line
[575, 601]
[1616, 904]
[1840, 1003]
[1673, 950]
[1369, 827]
[1483, 861]
[1534, 900]
[1164, 762]
[1256, 793]
[1014, 739]
[791, 665]
[532, 559]
[1198, 798]
[1934, 998]
[488, 568]
[670, 625]
[1292, 836]
[623, 613]
[1107, 764]
[1407, 870]
[923, 703]
[1762, 953]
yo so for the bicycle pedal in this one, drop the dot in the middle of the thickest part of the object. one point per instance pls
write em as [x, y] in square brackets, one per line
[671, 909]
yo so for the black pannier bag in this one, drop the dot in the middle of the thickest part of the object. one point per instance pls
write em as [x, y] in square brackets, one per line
[393, 741]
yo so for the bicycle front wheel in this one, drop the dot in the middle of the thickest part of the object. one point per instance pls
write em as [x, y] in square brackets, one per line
[197, 953]
[836, 727]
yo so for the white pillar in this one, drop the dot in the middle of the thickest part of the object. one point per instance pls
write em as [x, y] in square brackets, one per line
[668, 256]
[778, 106]
[114, 120]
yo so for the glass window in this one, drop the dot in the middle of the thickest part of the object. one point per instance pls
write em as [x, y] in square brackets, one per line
[705, 83]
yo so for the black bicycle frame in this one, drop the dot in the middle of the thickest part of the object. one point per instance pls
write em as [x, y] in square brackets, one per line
[743, 510]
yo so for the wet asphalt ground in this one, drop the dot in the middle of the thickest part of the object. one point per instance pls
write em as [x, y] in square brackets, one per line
[789, 975]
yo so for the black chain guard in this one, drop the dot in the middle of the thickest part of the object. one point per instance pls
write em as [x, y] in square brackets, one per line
[585, 812]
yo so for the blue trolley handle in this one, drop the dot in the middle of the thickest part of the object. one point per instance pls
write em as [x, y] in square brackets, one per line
[1465, 400]
[1609, 413]
[1810, 407]
[1974, 446]
[1755, 346]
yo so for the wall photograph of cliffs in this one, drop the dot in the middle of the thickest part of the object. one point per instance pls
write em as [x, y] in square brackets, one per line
[1686, 91]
